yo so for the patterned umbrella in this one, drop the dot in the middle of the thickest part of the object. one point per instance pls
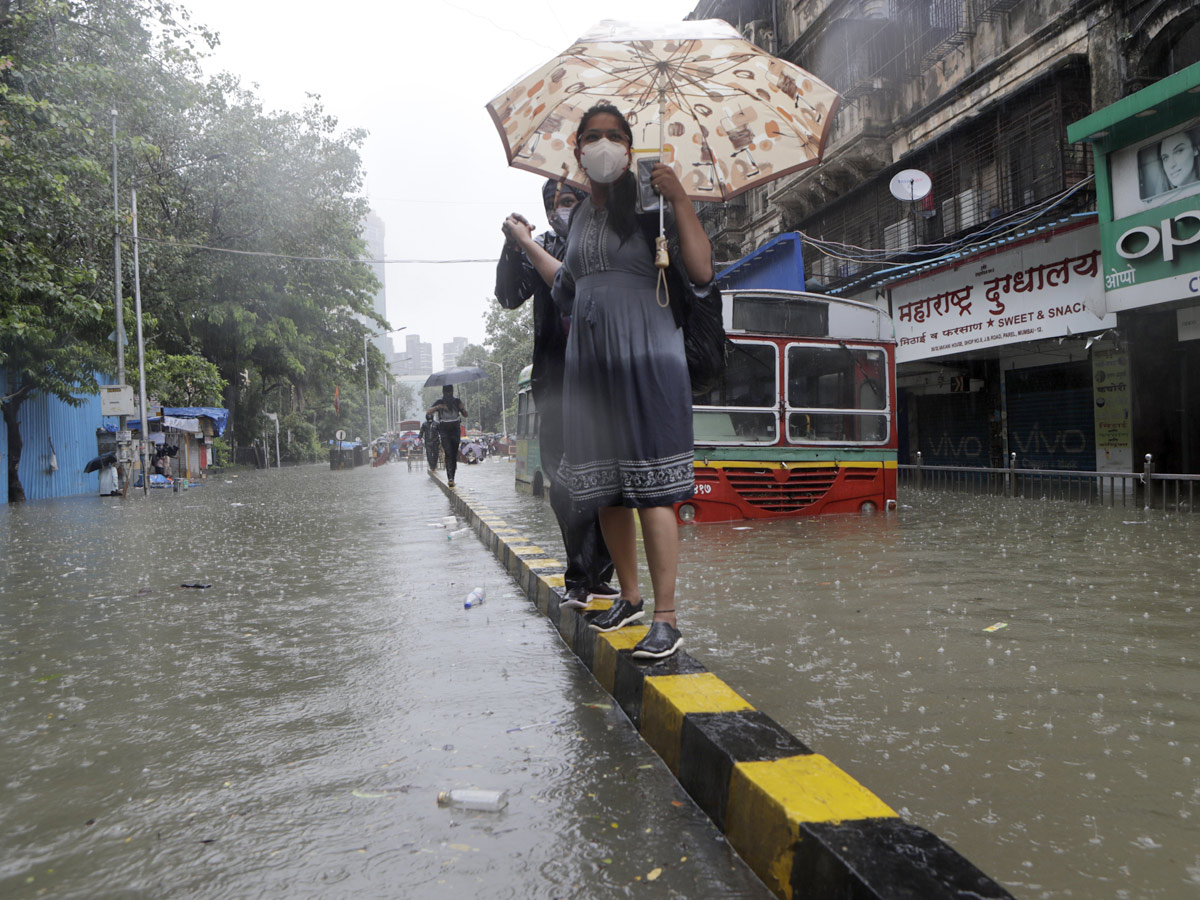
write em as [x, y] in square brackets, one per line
[726, 115]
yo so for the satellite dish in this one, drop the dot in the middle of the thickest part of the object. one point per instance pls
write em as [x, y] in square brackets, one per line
[910, 185]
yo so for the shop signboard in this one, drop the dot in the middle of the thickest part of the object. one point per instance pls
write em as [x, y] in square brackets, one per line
[1042, 288]
[1146, 148]
[1152, 245]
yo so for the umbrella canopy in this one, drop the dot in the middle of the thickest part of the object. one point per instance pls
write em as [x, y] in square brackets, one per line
[455, 375]
[100, 462]
[724, 114]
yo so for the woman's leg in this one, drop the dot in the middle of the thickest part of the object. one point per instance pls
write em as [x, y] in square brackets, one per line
[617, 526]
[661, 533]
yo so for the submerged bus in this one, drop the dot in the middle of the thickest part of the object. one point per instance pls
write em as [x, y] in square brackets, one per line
[803, 422]
[530, 476]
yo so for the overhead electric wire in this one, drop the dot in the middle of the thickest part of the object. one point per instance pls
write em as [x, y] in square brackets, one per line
[337, 259]
[953, 248]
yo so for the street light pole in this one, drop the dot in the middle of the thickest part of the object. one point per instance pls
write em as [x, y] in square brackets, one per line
[137, 307]
[141, 346]
[367, 372]
[367, 379]
[123, 463]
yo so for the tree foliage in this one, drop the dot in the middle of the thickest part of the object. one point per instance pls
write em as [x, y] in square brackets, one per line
[274, 326]
[509, 343]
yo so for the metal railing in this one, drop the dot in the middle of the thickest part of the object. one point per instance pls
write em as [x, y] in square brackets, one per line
[1146, 489]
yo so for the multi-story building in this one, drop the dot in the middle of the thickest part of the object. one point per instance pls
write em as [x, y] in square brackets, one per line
[373, 234]
[416, 358]
[451, 350]
[991, 264]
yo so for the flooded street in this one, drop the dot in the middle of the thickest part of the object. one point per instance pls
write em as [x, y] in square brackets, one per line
[285, 731]
[1060, 752]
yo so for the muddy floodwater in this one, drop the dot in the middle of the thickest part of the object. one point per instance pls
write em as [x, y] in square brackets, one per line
[1060, 752]
[284, 732]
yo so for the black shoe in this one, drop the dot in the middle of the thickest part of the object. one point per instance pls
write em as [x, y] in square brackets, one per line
[575, 598]
[604, 592]
[617, 616]
[662, 641]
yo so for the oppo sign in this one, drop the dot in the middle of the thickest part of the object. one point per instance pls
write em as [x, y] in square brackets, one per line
[1163, 235]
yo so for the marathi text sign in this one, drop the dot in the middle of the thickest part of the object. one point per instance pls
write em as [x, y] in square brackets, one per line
[1039, 290]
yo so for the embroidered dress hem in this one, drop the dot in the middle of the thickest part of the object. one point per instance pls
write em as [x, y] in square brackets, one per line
[632, 483]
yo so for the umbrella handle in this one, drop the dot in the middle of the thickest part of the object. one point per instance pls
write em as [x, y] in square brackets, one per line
[662, 259]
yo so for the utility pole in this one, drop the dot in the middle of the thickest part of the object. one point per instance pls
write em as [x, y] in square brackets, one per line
[367, 378]
[119, 309]
[137, 307]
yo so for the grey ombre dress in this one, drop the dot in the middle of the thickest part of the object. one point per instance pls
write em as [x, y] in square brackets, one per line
[627, 399]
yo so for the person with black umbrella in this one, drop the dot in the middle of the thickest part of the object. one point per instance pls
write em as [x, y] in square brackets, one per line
[450, 411]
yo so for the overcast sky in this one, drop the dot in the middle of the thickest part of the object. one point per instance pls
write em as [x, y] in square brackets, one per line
[417, 75]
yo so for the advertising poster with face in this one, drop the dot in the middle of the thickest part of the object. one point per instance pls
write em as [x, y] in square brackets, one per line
[1157, 171]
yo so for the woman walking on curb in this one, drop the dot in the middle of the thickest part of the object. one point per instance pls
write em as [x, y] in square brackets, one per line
[449, 409]
[626, 393]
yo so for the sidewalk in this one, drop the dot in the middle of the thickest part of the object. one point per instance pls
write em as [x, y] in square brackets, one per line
[804, 825]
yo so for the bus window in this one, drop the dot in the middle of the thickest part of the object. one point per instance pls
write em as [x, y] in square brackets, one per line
[849, 380]
[742, 407]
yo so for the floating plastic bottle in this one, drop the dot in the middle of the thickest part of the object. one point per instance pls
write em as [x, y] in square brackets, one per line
[489, 801]
[462, 532]
[474, 598]
[449, 520]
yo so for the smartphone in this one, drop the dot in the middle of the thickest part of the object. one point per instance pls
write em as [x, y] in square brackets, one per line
[648, 198]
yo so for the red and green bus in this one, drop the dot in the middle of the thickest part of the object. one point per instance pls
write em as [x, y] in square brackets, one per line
[804, 421]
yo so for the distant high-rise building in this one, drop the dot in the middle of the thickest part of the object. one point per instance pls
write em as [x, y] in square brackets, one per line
[415, 359]
[373, 234]
[451, 350]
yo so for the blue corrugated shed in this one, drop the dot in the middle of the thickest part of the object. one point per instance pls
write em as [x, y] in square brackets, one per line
[72, 430]
[778, 264]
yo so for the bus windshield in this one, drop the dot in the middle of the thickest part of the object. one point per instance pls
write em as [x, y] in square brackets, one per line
[829, 388]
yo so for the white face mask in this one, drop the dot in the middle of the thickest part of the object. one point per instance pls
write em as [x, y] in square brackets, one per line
[604, 161]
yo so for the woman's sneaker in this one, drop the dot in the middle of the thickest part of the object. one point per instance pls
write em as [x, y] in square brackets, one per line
[662, 641]
[617, 616]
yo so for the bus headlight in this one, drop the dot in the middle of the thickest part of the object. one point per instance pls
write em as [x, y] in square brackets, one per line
[868, 508]
[687, 512]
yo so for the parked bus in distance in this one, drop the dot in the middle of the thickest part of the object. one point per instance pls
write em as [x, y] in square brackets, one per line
[530, 476]
[803, 421]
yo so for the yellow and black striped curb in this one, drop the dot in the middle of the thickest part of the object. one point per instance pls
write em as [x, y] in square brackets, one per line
[803, 825]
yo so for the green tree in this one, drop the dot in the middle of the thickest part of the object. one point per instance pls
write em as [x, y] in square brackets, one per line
[183, 379]
[289, 321]
[52, 216]
[281, 318]
[510, 343]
